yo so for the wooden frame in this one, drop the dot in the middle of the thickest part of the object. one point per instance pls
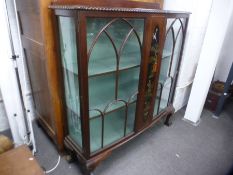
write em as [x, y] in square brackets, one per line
[152, 18]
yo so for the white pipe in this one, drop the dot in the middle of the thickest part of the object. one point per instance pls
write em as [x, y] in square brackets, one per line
[8, 82]
[24, 68]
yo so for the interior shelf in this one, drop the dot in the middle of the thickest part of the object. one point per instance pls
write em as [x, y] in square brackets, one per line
[166, 54]
[107, 62]
[102, 96]
[71, 65]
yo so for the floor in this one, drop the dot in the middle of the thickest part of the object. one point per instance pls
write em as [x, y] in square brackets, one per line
[181, 149]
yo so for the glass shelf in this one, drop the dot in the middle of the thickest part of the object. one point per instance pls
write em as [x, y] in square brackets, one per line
[71, 66]
[103, 58]
[102, 90]
[166, 54]
[105, 66]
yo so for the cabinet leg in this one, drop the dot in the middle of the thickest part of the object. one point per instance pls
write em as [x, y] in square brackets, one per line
[70, 156]
[89, 173]
[86, 171]
[168, 120]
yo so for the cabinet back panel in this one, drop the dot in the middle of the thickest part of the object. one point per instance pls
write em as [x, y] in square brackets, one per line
[32, 41]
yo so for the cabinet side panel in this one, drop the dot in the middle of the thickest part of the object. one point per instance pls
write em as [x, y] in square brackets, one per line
[54, 74]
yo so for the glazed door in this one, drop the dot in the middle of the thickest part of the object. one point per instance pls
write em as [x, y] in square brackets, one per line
[172, 52]
[114, 55]
[152, 55]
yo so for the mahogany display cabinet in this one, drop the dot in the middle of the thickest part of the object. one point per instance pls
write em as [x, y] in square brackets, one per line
[119, 68]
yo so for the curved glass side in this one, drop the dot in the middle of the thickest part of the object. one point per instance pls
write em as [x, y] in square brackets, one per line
[69, 57]
[169, 63]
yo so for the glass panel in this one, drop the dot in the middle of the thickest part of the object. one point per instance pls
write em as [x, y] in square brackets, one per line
[114, 66]
[114, 123]
[131, 54]
[128, 83]
[158, 100]
[94, 25]
[171, 52]
[165, 94]
[168, 46]
[103, 54]
[95, 133]
[177, 49]
[138, 25]
[131, 118]
[103, 57]
[68, 44]
[101, 92]
[118, 31]
[70, 72]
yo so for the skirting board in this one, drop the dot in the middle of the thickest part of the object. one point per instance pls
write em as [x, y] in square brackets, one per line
[192, 123]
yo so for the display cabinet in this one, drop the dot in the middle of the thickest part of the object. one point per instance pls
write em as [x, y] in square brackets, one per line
[119, 68]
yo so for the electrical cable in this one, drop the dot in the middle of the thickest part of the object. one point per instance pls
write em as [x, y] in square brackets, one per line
[52, 169]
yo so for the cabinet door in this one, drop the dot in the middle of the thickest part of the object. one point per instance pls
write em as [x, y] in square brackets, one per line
[170, 63]
[114, 57]
[153, 47]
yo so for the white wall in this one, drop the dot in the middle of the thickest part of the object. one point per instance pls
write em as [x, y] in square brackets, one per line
[226, 56]
[194, 39]
[218, 25]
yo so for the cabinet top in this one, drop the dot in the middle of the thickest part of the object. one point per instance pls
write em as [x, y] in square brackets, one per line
[115, 9]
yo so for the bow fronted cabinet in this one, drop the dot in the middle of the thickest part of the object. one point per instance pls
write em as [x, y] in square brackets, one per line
[118, 69]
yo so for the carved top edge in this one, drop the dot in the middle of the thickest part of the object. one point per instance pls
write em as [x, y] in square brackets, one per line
[114, 9]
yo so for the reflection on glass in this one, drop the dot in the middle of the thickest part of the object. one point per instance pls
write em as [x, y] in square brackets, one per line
[103, 57]
[101, 91]
[70, 72]
[95, 133]
[170, 58]
[131, 54]
[114, 125]
[128, 83]
[114, 49]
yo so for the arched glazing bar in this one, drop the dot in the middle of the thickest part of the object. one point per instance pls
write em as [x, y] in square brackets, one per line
[117, 106]
[104, 30]
[175, 35]
[118, 52]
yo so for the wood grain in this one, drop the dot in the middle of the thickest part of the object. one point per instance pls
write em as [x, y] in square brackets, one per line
[51, 54]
